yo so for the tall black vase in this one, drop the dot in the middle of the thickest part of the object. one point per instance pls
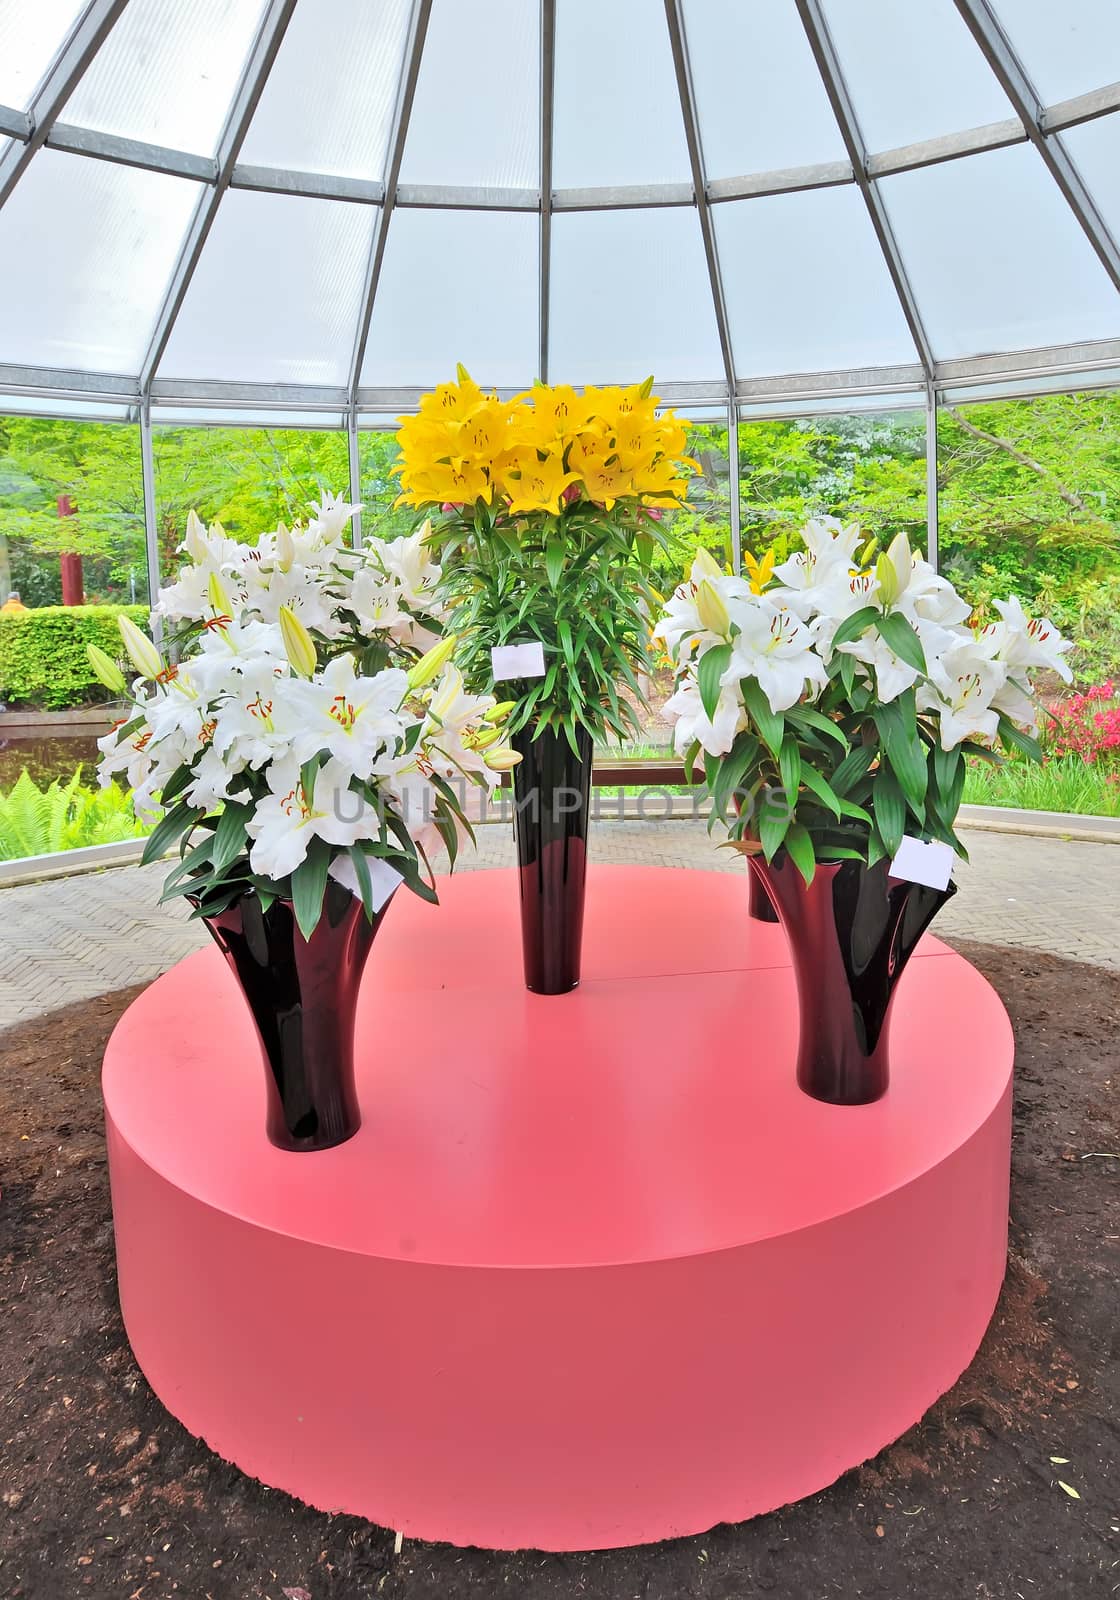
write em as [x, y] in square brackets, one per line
[552, 794]
[851, 933]
[303, 995]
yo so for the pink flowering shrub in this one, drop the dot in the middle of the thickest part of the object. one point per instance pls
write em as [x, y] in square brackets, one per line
[1088, 725]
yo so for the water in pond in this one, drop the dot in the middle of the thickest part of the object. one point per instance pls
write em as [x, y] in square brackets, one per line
[48, 755]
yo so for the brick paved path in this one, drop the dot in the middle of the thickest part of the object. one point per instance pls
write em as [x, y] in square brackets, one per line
[75, 937]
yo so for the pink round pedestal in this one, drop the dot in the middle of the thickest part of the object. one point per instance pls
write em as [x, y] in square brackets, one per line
[594, 1271]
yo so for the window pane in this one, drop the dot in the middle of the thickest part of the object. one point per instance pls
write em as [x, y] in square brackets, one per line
[617, 109]
[631, 296]
[996, 257]
[456, 286]
[275, 296]
[758, 57]
[86, 250]
[477, 139]
[167, 72]
[245, 478]
[1095, 148]
[71, 487]
[329, 98]
[869, 469]
[1067, 46]
[806, 285]
[31, 34]
[914, 71]
[377, 453]
[1029, 504]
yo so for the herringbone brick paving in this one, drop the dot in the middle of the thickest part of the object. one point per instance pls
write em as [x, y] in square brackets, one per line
[73, 938]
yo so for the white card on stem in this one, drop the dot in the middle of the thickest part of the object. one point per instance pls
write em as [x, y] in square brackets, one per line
[518, 660]
[924, 861]
[382, 877]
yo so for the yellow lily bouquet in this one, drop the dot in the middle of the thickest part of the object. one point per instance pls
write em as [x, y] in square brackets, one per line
[548, 514]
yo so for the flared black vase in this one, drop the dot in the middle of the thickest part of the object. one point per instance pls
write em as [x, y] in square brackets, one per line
[552, 794]
[302, 994]
[851, 933]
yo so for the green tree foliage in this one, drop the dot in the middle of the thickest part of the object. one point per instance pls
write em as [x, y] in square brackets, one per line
[1029, 496]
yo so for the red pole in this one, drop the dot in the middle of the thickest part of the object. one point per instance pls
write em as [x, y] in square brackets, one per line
[70, 563]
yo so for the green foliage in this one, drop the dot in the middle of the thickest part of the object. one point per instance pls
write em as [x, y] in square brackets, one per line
[849, 776]
[578, 582]
[1062, 783]
[39, 821]
[43, 659]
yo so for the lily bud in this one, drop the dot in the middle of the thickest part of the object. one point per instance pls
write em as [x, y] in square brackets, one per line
[500, 712]
[141, 651]
[105, 670]
[220, 601]
[449, 691]
[901, 560]
[429, 664]
[285, 548]
[712, 611]
[299, 646]
[707, 565]
[461, 373]
[195, 541]
[502, 759]
[485, 738]
[425, 530]
[888, 580]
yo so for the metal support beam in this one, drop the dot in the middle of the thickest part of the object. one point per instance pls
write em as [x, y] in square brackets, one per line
[61, 81]
[678, 41]
[398, 133]
[828, 64]
[276, 18]
[932, 526]
[733, 486]
[1020, 91]
[355, 460]
[151, 521]
[548, 93]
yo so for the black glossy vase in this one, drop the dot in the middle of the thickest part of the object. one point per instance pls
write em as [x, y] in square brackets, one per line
[552, 792]
[302, 994]
[851, 933]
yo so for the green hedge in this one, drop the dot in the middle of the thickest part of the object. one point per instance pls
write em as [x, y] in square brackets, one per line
[43, 659]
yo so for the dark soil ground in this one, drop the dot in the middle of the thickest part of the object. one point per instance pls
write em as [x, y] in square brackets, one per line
[102, 1493]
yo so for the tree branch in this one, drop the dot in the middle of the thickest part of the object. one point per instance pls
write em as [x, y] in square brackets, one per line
[1070, 498]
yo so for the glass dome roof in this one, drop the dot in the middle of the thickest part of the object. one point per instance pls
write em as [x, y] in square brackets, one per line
[326, 204]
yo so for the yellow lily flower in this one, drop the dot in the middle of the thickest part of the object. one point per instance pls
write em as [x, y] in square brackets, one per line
[759, 572]
[535, 485]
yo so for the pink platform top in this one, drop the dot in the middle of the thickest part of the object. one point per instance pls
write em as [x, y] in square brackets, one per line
[651, 1114]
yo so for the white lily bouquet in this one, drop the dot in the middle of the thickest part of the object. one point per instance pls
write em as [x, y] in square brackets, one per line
[834, 698]
[308, 719]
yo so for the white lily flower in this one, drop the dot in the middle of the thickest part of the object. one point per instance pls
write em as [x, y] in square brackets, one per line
[355, 718]
[716, 734]
[287, 819]
[964, 681]
[1020, 641]
[331, 517]
[681, 629]
[828, 556]
[775, 647]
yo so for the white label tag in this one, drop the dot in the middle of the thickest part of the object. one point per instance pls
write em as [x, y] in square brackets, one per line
[921, 861]
[518, 660]
[383, 879]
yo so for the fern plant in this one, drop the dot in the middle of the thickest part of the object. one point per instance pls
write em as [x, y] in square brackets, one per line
[35, 821]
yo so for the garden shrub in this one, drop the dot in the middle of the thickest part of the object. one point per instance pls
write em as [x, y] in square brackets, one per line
[1088, 726]
[43, 660]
